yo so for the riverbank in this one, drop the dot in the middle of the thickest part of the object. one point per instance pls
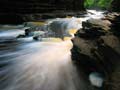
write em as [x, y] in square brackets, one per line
[96, 50]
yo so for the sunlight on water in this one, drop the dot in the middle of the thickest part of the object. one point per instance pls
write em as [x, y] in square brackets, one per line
[38, 23]
[67, 38]
[66, 24]
[48, 68]
[52, 39]
[41, 65]
[72, 32]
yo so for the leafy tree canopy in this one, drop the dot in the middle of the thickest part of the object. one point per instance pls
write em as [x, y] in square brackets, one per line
[102, 4]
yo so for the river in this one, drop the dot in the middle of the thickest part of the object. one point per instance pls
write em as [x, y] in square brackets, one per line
[26, 64]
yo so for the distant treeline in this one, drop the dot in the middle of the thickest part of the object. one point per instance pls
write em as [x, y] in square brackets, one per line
[102, 4]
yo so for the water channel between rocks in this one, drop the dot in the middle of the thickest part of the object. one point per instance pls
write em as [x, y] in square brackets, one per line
[26, 64]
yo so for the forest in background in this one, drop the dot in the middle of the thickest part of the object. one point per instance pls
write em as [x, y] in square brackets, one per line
[100, 4]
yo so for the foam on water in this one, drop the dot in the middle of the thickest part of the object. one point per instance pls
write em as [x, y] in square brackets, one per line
[31, 65]
[47, 68]
[12, 33]
[66, 24]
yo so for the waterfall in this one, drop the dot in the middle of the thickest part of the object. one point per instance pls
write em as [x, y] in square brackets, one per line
[29, 65]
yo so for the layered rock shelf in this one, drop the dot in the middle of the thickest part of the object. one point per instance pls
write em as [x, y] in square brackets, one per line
[35, 10]
[96, 48]
[40, 6]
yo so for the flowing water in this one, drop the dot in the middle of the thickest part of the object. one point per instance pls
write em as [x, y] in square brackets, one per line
[26, 64]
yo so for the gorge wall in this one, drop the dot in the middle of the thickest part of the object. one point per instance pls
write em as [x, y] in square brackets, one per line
[115, 5]
[40, 6]
[30, 10]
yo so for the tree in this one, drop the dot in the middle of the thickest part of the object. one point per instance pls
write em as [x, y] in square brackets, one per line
[102, 4]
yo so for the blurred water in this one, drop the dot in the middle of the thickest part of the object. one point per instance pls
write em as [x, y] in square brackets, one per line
[26, 64]
[38, 66]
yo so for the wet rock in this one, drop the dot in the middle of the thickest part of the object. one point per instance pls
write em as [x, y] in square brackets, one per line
[96, 48]
[97, 24]
[94, 28]
[38, 35]
[116, 26]
[114, 18]
[27, 33]
[21, 36]
[36, 38]
[111, 16]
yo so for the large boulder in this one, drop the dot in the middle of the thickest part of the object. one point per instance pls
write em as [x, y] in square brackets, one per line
[96, 48]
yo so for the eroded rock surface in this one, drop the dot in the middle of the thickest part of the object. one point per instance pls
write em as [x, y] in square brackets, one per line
[96, 48]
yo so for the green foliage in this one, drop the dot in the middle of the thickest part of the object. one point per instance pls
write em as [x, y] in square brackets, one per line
[103, 4]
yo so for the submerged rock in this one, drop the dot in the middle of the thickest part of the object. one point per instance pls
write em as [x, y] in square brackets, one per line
[27, 33]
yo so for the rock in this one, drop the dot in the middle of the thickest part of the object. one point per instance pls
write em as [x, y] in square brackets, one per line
[36, 10]
[38, 35]
[96, 48]
[21, 36]
[116, 26]
[114, 18]
[115, 5]
[112, 41]
[37, 38]
[94, 28]
[11, 18]
[111, 16]
[97, 24]
[27, 32]
[59, 28]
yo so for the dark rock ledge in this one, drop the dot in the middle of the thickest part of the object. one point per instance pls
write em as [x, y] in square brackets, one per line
[18, 11]
[96, 48]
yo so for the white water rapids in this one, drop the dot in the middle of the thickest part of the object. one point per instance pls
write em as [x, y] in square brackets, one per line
[47, 65]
